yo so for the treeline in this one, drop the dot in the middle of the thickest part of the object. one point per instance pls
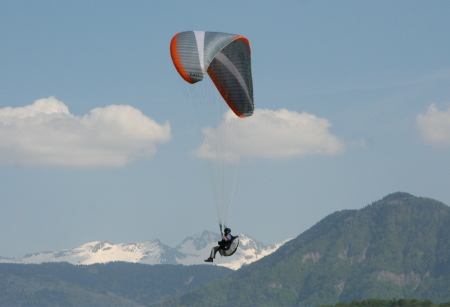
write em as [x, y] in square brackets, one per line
[390, 303]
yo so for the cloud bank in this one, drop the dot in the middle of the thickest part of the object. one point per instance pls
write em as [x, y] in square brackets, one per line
[271, 134]
[434, 126]
[46, 134]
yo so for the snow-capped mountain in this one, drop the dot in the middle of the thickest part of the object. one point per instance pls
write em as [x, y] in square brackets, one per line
[152, 252]
[193, 250]
[198, 247]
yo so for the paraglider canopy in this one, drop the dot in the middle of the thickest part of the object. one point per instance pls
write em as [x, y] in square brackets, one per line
[226, 59]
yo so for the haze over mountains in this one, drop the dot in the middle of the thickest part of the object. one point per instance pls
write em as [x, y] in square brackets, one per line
[192, 250]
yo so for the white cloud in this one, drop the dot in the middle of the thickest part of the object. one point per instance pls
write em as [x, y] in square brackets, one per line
[434, 126]
[46, 134]
[272, 135]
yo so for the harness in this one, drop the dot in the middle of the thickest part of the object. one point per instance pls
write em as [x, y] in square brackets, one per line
[230, 247]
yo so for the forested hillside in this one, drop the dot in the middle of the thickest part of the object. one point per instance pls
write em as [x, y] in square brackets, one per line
[111, 284]
[398, 247]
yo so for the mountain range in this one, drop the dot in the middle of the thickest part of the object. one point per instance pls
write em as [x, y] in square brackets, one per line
[192, 250]
[395, 248]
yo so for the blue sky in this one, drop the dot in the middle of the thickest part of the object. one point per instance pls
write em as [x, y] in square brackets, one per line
[96, 138]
